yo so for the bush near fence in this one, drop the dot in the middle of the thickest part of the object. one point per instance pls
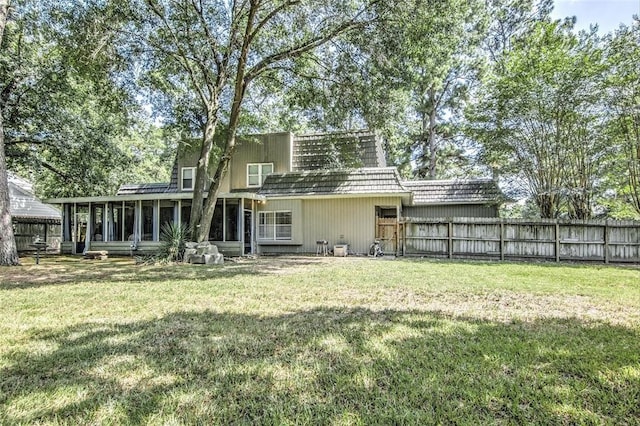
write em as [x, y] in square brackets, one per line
[545, 239]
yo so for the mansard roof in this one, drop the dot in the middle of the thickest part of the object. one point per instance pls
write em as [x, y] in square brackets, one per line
[337, 150]
[464, 191]
[334, 182]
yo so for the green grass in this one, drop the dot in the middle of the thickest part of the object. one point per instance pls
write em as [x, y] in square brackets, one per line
[319, 341]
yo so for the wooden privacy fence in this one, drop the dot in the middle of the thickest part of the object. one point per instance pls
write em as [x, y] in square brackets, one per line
[545, 239]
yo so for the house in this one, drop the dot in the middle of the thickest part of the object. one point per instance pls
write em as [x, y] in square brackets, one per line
[282, 194]
[30, 217]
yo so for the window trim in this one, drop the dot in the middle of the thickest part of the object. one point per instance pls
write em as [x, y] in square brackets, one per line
[275, 226]
[193, 178]
[261, 176]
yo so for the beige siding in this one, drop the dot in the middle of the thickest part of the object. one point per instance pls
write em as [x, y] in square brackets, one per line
[272, 148]
[461, 210]
[337, 220]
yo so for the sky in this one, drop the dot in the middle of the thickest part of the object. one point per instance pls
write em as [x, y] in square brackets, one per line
[608, 14]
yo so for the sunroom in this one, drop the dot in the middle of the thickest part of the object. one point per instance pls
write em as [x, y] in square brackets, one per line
[132, 223]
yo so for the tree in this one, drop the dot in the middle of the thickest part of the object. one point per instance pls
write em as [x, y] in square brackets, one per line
[623, 97]
[8, 248]
[439, 74]
[63, 112]
[541, 113]
[212, 53]
[406, 76]
[509, 20]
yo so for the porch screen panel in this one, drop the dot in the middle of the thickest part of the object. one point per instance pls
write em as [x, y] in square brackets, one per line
[147, 221]
[185, 213]
[115, 222]
[231, 219]
[67, 221]
[97, 221]
[215, 232]
[129, 220]
[167, 209]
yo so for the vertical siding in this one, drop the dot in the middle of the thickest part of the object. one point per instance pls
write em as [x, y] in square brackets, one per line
[187, 159]
[271, 148]
[343, 220]
[337, 220]
[460, 210]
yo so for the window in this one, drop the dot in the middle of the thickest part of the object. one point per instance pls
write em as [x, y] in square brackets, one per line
[274, 225]
[188, 177]
[256, 173]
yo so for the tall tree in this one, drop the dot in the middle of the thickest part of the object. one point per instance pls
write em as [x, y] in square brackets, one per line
[540, 113]
[212, 53]
[623, 59]
[8, 248]
[439, 73]
[405, 76]
[509, 20]
[63, 112]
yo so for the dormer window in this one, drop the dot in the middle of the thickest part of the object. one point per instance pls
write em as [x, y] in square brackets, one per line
[187, 178]
[257, 172]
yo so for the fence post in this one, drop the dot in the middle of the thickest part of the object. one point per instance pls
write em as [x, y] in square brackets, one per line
[397, 238]
[450, 242]
[606, 241]
[557, 241]
[404, 238]
[501, 239]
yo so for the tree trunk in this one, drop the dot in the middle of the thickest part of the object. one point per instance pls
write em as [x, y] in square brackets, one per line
[8, 249]
[239, 90]
[201, 179]
[204, 227]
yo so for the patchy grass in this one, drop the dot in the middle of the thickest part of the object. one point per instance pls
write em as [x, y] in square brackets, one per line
[317, 340]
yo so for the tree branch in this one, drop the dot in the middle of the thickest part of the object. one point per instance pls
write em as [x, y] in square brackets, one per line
[306, 46]
[181, 56]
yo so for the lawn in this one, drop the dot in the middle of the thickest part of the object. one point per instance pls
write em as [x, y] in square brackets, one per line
[311, 340]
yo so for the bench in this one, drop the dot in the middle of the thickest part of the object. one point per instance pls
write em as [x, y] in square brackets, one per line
[96, 254]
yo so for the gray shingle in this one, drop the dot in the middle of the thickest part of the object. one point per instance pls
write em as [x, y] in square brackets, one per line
[142, 188]
[481, 191]
[333, 182]
[337, 150]
[24, 204]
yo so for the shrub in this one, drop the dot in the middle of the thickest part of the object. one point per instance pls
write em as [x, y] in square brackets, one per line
[172, 242]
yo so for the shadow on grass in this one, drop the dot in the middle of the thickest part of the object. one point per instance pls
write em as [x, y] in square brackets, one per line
[59, 270]
[325, 366]
[534, 263]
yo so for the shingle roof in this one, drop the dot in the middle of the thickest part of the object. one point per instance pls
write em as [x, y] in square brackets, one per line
[142, 188]
[25, 205]
[334, 182]
[337, 150]
[173, 182]
[476, 191]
